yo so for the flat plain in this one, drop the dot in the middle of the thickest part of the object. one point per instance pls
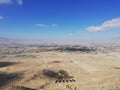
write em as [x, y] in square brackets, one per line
[95, 67]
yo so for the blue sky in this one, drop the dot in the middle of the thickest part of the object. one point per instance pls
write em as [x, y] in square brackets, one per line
[66, 20]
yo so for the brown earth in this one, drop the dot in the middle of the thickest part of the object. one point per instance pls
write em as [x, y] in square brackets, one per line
[91, 71]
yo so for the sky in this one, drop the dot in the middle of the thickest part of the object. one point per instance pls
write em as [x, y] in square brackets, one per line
[60, 20]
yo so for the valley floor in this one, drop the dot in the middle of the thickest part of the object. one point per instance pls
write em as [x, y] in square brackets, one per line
[100, 71]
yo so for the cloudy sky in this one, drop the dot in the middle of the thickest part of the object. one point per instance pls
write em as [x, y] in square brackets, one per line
[65, 20]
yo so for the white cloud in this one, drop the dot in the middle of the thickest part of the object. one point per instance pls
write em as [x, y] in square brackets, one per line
[70, 34]
[107, 25]
[20, 2]
[41, 25]
[54, 25]
[1, 17]
[5, 1]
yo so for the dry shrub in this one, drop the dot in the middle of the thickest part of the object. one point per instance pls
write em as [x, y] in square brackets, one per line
[61, 74]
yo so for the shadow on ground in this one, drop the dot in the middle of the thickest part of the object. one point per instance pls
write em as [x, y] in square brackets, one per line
[8, 78]
[4, 64]
[72, 49]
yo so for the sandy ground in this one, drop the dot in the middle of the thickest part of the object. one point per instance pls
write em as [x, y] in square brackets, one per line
[91, 71]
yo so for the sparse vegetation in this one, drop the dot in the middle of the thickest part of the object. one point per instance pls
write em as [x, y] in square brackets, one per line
[21, 88]
[25, 56]
[61, 74]
[116, 67]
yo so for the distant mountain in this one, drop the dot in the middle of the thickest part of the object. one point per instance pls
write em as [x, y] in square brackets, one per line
[13, 42]
[114, 40]
[18, 42]
[9, 41]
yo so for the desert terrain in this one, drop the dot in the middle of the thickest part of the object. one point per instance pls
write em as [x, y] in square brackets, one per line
[94, 67]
